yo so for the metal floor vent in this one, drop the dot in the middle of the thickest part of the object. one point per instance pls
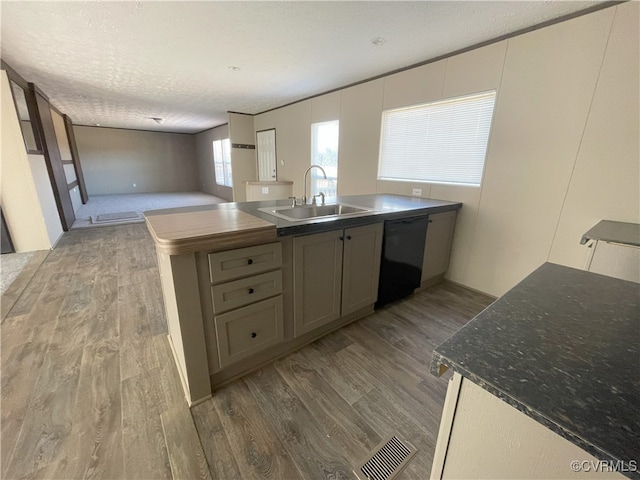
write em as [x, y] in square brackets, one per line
[115, 217]
[389, 459]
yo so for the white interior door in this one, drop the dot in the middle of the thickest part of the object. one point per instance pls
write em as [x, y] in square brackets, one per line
[266, 140]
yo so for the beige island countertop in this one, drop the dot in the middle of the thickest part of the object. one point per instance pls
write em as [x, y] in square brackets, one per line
[188, 232]
[181, 230]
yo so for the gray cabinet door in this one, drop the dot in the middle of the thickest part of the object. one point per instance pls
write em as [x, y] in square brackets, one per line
[249, 330]
[317, 277]
[437, 248]
[361, 268]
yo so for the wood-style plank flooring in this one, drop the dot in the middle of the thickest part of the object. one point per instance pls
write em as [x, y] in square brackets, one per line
[319, 412]
[90, 390]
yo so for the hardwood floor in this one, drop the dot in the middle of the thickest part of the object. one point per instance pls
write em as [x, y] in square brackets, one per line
[90, 390]
[319, 412]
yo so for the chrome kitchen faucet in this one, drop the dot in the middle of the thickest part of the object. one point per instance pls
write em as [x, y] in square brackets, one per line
[304, 198]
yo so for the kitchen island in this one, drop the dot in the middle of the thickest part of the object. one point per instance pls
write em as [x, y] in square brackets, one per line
[546, 376]
[243, 287]
[177, 224]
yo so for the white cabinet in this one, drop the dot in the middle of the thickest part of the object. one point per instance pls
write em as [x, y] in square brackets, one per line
[613, 249]
[335, 273]
[614, 260]
[481, 436]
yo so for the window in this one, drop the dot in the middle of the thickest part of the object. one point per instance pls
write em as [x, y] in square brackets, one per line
[324, 152]
[222, 162]
[439, 142]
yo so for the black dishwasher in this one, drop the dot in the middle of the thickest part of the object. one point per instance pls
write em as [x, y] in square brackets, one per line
[402, 255]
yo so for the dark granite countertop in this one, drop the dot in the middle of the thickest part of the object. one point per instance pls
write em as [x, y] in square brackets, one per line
[563, 347]
[610, 231]
[384, 206]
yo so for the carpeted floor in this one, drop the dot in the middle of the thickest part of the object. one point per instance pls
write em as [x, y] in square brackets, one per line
[108, 207]
[11, 264]
[111, 205]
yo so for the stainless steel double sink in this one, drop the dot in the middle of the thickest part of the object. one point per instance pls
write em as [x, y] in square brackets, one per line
[309, 212]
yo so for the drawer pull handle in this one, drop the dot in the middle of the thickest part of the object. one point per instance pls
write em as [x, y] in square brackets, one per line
[251, 290]
[254, 334]
[250, 262]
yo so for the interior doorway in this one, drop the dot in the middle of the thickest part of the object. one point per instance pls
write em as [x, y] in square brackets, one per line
[266, 153]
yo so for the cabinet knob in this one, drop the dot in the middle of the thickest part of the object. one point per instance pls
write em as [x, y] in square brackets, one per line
[430, 221]
[254, 334]
[348, 237]
[250, 262]
[342, 239]
[251, 290]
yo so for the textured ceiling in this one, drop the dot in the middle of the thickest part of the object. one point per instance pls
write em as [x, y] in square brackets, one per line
[118, 63]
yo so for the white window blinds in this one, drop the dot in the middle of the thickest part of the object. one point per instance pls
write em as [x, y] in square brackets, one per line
[440, 142]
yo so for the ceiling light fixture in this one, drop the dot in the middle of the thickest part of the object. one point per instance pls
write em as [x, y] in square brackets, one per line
[158, 120]
[378, 41]
[233, 68]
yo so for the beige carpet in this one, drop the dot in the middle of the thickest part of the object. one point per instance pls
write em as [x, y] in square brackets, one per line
[116, 207]
[11, 264]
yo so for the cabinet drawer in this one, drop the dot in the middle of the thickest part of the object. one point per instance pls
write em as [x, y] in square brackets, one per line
[232, 264]
[245, 291]
[248, 330]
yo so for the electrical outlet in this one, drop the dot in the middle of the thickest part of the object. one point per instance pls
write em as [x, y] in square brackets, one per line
[416, 192]
[282, 162]
[134, 185]
[265, 190]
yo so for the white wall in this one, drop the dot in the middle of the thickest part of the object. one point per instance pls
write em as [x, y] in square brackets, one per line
[27, 197]
[293, 140]
[548, 79]
[563, 152]
[243, 160]
[604, 182]
[61, 135]
[47, 201]
[360, 110]
[114, 159]
[204, 157]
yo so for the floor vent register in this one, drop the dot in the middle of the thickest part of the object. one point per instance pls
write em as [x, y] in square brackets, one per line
[390, 457]
[115, 217]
